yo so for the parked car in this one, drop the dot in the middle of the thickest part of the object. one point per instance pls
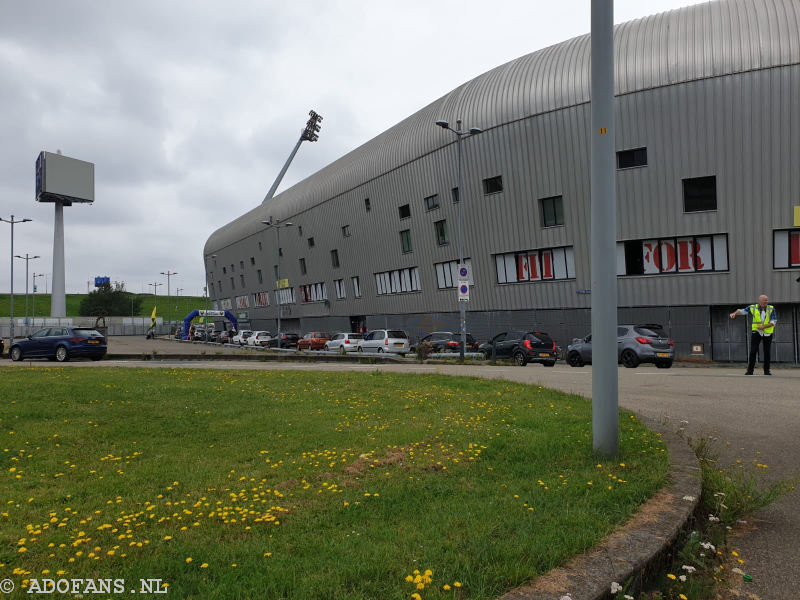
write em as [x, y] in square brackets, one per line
[385, 340]
[522, 347]
[288, 340]
[224, 337]
[259, 338]
[241, 337]
[635, 344]
[343, 343]
[61, 344]
[447, 341]
[313, 340]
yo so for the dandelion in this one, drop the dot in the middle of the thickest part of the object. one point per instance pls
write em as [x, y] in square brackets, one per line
[456, 584]
[416, 596]
[204, 566]
[671, 576]
[446, 587]
[682, 597]
[188, 559]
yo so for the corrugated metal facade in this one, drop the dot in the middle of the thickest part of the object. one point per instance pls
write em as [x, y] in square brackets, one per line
[709, 90]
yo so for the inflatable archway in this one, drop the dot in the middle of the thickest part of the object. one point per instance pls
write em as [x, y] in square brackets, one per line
[208, 313]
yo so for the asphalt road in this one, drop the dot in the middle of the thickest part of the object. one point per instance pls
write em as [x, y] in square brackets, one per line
[757, 419]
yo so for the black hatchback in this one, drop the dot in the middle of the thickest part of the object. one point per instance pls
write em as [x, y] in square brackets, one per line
[522, 347]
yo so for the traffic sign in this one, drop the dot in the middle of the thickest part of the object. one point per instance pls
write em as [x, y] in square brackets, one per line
[463, 291]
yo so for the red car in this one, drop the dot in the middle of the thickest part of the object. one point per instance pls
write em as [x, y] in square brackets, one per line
[313, 340]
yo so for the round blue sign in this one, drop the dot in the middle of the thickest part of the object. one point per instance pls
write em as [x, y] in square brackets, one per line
[464, 289]
[462, 271]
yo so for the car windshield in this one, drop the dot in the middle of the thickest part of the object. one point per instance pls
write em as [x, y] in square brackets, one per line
[539, 336]
[87, 332]
[650, 331]
[396, 333]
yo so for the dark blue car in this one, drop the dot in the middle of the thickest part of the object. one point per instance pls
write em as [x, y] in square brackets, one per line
[61, 344]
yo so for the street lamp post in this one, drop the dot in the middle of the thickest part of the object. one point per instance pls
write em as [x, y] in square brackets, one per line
[169, 273]
[34, 276]
[208, 291]
[27, 258]
[277, 224]
[461, 199]
[11, 221]
[155, 302]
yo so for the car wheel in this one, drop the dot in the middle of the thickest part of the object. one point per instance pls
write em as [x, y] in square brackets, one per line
[16, 354]
[487, 355]
[519, 359]
[360, 349]
[575, 360]
[97, 357]
[380, 350]
[664, 364]
[549, 363]
[327, 348]
[61, 354]
[629, 359]
[342, 350]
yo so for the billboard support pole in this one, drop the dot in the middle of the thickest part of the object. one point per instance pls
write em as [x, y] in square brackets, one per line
[58, 299]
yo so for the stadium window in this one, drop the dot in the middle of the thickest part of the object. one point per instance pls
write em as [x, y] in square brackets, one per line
[241, 265]
[700, 194]
[367, 206]
[260, 276]
[432, 202]
[335, 259]
[241, 279]
[552, 211]
[259, 246]
[303, 266]
[346, 231]
[219, 286]
[252, 260]
[454, 193]
[690, 254]
[405, 240]
[627, 159]
[786, 249]
[299, 231]
[356, 286]
[341, 293]
[311, 242]
[224, 270]
[441, 232]
[280, 251]
[405, 211]
[233, 284]
[492, 185]
[233, 268]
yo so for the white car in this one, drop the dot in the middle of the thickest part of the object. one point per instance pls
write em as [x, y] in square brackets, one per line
[343, 342]
[394, 341]
[259, 338]
[241, 337]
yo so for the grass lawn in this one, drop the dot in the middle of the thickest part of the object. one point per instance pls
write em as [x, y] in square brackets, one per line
[273, 484]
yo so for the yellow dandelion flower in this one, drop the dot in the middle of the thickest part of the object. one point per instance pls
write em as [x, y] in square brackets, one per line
[456, 584]
[188, 559]
[409, 579]
[416, 596]
[671, 576]
[204, 566]
[446, 587]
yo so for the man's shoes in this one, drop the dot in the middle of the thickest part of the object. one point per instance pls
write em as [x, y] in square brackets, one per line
[767, 373]
[748, 372]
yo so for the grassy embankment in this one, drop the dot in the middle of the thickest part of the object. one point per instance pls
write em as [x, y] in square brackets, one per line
[41, 305]
[275, 484]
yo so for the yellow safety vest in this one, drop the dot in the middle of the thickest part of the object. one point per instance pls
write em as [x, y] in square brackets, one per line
[755, 311]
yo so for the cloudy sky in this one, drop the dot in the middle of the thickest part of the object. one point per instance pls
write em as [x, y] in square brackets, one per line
[189, 108]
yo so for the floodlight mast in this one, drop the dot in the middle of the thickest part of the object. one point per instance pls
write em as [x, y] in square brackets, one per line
[309, 134]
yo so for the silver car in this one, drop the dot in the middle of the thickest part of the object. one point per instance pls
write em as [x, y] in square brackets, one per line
[635, 344]
[343, 342]
[394, 341]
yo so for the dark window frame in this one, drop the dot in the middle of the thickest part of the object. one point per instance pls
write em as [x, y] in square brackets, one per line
[303, 267]
[346, 231]
[335, 258]
[311, 242]
[404, 211]
[493, 185]
[553, 220]
[431, 202]
[440, 229]
[403, 239]
[633, 158]
[697, 195]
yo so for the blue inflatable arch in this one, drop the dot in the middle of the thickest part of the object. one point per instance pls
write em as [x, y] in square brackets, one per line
[187, 322]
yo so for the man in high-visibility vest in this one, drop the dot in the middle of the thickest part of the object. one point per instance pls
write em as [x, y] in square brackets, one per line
[763, 326]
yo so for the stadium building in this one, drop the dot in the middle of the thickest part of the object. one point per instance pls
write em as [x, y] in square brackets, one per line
[707, 109]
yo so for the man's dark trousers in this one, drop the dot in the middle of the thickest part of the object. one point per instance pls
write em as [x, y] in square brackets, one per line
[755, 340]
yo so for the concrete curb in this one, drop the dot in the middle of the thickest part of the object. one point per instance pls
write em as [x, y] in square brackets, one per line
[635, 550]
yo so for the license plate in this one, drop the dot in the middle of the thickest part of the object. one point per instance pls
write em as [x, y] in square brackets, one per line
[93, 342]
[544, 354]
[662, 354]
[399, 345]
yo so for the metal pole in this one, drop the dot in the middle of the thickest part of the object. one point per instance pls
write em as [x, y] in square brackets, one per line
[275, 185]
[33, 302]
[278, 272]
[168, 273]
[58, 301]
[462, 309]
[11, 221]
[605, 376]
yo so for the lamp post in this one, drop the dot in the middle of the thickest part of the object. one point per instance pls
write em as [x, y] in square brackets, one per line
[35, 275]
[207, 291]
[155, 302]
[27, 258]
[12, 222]
[461, 198]
[168, 273]
[277, 224]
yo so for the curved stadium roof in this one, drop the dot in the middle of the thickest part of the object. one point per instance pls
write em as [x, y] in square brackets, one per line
[697, 42]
